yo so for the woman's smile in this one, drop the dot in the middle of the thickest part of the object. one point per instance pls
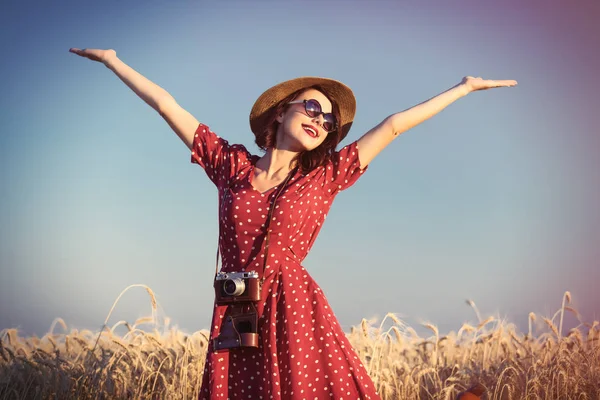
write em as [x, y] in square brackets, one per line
[311, 130]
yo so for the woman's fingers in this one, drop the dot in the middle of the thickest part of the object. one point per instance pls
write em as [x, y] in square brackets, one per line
[92, 54]
[80, 52]
[506, 82]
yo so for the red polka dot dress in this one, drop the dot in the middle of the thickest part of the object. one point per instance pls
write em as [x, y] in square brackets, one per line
[303, 352]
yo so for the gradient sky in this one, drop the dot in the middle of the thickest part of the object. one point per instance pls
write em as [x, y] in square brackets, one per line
[495, 199]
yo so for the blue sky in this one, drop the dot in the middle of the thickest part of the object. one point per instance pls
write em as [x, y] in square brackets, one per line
[494, 199]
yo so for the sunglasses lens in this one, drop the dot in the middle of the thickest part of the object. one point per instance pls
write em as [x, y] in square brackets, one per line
[313, 108]
[329, 123]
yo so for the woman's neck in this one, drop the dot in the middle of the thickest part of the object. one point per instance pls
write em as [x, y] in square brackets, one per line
[277, 163]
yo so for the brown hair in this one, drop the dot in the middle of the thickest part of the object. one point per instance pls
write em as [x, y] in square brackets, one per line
[307, 160]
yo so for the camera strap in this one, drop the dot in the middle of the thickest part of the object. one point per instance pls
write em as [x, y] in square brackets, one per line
[268, 222]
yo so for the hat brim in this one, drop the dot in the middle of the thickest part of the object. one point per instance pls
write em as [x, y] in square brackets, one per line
[341, 95]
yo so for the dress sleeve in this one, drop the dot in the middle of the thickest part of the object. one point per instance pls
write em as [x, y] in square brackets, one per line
[220, 160]
[343, 170]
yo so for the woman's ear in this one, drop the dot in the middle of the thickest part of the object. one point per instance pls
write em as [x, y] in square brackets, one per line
[279, 117]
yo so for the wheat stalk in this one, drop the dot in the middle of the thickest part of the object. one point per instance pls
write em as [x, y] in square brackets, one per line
[152, 300]
[566, 299]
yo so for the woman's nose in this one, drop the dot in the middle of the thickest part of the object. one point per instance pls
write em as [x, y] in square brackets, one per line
[319, 120]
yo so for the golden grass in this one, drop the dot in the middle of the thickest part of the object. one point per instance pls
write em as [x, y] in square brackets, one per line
[168, 364]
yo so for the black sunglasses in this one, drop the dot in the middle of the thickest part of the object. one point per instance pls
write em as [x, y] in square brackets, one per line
[313, 109]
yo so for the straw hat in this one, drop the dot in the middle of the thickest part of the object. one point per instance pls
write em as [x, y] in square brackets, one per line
[341, 94]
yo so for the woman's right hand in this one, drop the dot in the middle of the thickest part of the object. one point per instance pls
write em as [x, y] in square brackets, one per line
[95, 54]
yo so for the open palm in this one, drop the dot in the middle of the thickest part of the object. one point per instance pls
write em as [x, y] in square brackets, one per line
[99, 55]
[478, 83]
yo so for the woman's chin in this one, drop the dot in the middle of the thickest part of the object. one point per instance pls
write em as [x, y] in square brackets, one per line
[301, 144]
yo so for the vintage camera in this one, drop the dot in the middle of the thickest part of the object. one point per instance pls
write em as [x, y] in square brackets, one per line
[236, 287]
[239, 291]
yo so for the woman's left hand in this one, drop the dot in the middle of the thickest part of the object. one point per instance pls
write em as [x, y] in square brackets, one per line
[472, 84]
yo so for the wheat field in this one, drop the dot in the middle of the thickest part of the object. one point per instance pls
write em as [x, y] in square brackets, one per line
[165, 363]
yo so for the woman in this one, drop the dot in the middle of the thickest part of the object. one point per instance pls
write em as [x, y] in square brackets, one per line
[279, 202]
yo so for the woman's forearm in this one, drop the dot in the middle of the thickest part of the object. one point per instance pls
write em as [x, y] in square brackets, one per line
[413, 116]
[147, 90]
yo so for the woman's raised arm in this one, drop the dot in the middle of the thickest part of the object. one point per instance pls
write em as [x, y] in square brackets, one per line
[375, 140]
[182, 122]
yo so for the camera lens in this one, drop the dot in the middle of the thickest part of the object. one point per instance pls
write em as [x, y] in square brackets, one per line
[234, 287]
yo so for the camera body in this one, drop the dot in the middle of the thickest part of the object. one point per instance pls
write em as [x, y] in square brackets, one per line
[237, 287]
